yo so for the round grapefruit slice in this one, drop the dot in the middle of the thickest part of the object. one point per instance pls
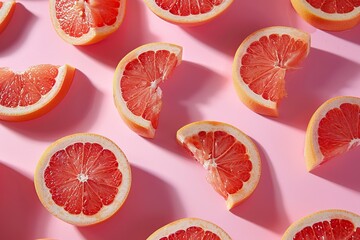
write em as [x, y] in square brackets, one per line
[190, 228]
[83, 22]
[260, 64]
[327, 224]
[333, 129]
[137, 94]
[188, 12]
[30, 94]
[230, 157]
[329, 15]
[83, 179]
[6, 12]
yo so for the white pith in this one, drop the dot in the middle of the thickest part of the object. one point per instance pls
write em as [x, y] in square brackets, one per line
[5, 9]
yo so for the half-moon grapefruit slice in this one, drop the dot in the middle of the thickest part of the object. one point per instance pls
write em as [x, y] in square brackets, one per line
[34, 92]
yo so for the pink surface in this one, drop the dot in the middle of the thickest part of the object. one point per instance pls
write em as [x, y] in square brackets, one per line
[167, 183]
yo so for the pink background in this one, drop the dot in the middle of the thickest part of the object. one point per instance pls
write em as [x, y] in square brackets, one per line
[167, 183]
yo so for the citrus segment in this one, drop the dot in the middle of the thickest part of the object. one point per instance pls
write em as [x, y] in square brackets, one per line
[34, 92]
[327, 224]
[260, 64]
[83, 22]
[188, 12]
[83, 179]
[190, 228]
[230, 157]
[6, 12]
[137, 94]
[329, 14]
[333, 130]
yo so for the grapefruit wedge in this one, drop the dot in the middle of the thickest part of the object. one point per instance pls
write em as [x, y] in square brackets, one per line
[83, 22]
[6, 12]
[136, 90]
[83, 179]
[230, 157]
[329, 15]
[188, 12]
[327, 224]
[34, 92]
[260, 64]
[190, 228]
[333, 130]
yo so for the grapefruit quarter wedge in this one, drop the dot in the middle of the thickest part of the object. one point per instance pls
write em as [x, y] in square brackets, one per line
[260, 64]
[230, 157]
[136, 84]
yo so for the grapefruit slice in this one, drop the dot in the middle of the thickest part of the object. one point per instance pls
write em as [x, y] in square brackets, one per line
[230, 157]
[30, 94]
[327, 224]
[333, 129]
[6, 12]
[83, 179]
[136, 90]
[188, 12]
[83, 22]
[329, 15]
[190, 228]
[260, 64]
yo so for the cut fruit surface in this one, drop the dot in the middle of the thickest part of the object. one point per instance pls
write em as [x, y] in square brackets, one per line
[190, 228]
[329, 15]
[188, 12]
[136, 90]
[83, 179]
[83, 22]
[32, 93]
[333, 129]
[260, 64]
[328, 224]
[230, 157]
[6, 12]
